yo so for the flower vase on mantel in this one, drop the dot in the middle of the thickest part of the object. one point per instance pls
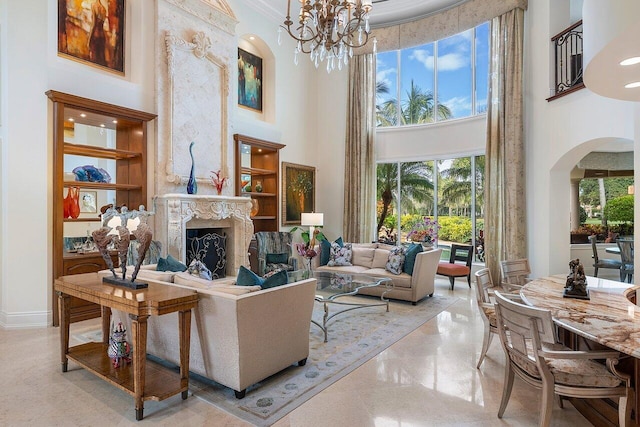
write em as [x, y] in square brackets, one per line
[192, 185]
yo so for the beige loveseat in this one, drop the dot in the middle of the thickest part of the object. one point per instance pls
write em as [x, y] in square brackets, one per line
[371, 259]
[240, 335]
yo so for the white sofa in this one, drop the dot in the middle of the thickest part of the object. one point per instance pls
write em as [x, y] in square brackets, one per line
[240, 335]
[371, 259]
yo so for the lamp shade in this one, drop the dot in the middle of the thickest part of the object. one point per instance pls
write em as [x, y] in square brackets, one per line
[312, 219]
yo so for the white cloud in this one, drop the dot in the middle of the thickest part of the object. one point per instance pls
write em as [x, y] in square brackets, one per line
[423, 57]
[460, 106]
[447, 62]
[452, 61]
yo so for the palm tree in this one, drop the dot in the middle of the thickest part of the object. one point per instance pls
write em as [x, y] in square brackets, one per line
[415, 186]
[419, 107]
[456, 188]
[386, 113]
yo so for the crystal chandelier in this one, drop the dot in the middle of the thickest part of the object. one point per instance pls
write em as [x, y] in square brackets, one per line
[329, 29]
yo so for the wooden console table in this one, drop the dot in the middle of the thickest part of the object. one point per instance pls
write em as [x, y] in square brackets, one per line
[156, 300]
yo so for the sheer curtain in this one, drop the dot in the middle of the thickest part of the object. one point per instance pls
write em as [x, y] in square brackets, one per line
[505, 210]
[360, 156]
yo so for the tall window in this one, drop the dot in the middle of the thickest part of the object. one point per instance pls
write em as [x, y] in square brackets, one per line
[449, 191]
[433, 82]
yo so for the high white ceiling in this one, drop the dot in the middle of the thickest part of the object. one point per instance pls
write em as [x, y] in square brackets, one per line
[385, 12]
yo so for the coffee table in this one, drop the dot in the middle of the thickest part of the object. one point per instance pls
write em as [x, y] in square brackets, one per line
[331, 286]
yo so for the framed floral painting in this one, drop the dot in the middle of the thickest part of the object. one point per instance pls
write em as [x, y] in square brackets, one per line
[299, 192]
[92, 31]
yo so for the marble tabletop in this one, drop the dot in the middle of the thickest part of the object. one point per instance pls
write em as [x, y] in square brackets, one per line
[608, 318]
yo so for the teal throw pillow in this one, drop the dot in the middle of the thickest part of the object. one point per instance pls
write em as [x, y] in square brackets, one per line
[170, 264]
[281, 258]
[325, 249]
[410, 257]
[277, 279]
[247, 277]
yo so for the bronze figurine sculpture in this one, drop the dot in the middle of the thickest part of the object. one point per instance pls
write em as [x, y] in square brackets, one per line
[576, 285]
[118, 228]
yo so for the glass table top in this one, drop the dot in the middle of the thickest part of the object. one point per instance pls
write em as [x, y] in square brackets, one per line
[332, 284]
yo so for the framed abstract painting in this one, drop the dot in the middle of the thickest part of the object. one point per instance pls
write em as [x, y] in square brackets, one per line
[92, 31]
[249, 80]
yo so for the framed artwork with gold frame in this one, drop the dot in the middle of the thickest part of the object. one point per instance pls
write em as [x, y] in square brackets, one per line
[299, 192]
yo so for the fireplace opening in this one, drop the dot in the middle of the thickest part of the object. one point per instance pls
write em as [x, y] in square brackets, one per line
[208, 245]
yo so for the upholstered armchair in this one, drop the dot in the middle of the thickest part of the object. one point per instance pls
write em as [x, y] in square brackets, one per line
[274, 252]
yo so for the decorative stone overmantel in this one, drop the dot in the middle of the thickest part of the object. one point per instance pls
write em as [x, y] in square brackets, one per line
[175, 213]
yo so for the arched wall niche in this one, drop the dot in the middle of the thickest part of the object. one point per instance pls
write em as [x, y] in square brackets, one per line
[561, 195]
[256, 46]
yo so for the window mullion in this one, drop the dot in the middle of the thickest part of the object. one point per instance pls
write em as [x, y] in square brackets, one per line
[473, 74]
[398, 89]
[435, 81]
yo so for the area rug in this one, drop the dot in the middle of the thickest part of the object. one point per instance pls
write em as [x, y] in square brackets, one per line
[353, 338]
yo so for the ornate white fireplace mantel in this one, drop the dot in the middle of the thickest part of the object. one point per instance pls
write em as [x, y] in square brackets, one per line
[175, 213]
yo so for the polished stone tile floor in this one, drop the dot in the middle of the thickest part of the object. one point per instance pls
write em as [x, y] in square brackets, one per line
[429, 378]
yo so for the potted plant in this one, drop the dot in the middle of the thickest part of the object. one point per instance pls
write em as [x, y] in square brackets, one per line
[425, 232]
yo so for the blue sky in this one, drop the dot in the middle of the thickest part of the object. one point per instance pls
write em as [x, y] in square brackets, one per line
[454, 87]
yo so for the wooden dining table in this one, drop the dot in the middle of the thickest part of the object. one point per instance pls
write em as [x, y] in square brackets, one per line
[609, 319]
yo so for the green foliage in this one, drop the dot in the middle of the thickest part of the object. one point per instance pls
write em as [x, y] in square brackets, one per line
[418, 106]
[390, 222]
[304, 234]
[624, 229]
[454, 228]
[619, 209]
[583, 215]
[613, 187]
[408, 221]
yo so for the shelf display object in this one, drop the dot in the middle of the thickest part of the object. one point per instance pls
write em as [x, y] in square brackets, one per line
[99, 158]
[257, 176]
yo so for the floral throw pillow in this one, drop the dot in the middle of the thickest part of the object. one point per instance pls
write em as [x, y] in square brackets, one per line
[340, 255]
[396, 260]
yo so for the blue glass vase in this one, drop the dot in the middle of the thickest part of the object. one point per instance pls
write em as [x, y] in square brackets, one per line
[192, 185]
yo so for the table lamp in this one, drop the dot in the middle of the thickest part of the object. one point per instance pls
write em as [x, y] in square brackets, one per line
[312, 220]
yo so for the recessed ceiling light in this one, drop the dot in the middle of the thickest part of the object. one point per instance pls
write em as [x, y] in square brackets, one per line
[70, 119]
[632, 85]
[101, 125]
[114, 122]
[631, 61]
[83, 115]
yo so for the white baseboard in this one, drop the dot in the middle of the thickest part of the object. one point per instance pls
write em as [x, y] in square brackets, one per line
[34, 319]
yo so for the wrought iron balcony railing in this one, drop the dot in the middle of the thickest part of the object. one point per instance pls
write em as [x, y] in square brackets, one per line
[568, 61]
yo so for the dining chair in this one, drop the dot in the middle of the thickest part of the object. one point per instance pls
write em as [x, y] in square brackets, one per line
[604, 262]
[459, 264]
[484, 291]
[530, 342]
[626, 259]
[515, 274]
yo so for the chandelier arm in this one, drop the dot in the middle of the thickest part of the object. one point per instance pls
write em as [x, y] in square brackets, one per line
[330, 29]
